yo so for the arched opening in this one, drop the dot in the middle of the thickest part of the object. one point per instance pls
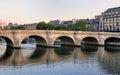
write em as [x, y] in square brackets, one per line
[112, 41]
[89, 41]
[30, 44]
[5, 42]
[33, 41]
[64, 41]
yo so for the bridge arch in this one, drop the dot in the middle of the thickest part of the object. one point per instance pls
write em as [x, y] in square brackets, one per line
[9, 42]
[40, 41]
[112, 41]
[65, 40]
[90, 41]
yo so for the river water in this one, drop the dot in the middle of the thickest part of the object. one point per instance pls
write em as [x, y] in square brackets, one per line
[85, 60]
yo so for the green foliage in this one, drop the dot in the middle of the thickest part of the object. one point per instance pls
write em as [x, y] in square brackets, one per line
[50, 26]
[19, 27]
[80, 25]
[41, 26]
[60, 27]
[89, 27]
[70, 27]
[12, 27]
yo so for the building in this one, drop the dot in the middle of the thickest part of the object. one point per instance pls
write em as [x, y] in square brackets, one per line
[73, 22]
[96, 22]
[93, 22]
[2, 25]
[56, 22]
[30, 26]
[110, 20]
[67, 22]
[10, 25]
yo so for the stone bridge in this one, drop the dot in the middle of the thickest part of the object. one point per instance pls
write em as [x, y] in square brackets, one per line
[47, 38]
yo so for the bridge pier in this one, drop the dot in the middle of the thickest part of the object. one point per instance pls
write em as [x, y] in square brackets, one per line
[13, 45]
[77, 45]
[101, 43]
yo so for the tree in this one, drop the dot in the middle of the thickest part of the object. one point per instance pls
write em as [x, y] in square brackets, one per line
[60, 27]
[70, 27]
[12, 27]
[80, 25]
[89, 27]
[41, 26]
[20, 27]
[50, 26]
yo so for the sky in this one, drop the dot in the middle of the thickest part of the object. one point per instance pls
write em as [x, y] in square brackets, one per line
[31, 11]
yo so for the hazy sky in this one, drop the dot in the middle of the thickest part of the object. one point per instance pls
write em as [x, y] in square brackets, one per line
[30, 11]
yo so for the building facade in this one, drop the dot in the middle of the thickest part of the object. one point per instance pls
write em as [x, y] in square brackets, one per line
[9, 25]
[110, 20]
[93, 22]
[30, 26]
[67, 22]
[2, 25]
[56, 22]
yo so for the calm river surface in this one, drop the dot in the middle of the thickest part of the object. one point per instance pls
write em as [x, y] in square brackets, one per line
[85, 60]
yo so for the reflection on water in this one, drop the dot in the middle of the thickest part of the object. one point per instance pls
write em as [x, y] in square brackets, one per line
[87, 60]
[110, 60]
[2, 49]
[38, 52]
[63, 50]
[112, 48]
[8, 52]
[89, 48]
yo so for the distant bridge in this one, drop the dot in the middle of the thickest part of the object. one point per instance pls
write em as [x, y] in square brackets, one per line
[47, 38]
